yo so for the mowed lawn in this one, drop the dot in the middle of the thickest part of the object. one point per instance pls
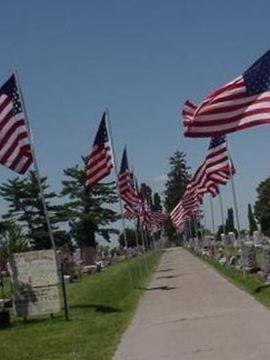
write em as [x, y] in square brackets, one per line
[101, 307]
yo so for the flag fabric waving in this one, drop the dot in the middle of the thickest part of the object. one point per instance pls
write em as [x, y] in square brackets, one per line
[216, 170]
[100, 161]
[240, 104]
[15, 144]
[126, 186]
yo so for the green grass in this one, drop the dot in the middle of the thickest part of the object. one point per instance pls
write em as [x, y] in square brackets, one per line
[250, 284]
[101, 307]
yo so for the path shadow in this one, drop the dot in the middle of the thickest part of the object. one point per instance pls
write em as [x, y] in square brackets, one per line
[262, 287]
[105, 309]
[164, 270]
[167, 277]
[165, 287]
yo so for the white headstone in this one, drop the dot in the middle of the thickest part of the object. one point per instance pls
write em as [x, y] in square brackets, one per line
[257, 237]
[35, 280]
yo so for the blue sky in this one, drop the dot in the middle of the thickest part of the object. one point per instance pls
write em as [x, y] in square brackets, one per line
[142, 59]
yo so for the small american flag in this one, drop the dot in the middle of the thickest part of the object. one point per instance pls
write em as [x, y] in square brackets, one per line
[126, 186]
[15, 145]
[240, 104]
[100, 161]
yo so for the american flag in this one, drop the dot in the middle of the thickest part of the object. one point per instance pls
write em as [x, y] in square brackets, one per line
[126, 186]
[100, 161]
[216, 170]
[240, 104]
[131, 212]
[15, 145]
[145, 214]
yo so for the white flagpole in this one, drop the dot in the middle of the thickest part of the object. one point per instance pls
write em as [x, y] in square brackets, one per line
[42, 197]
[221, 211]
[118, 190]
[235, 206]
[212, 215]
[233, 189]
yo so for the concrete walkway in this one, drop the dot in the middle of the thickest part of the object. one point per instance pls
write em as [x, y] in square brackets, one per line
[190, 312]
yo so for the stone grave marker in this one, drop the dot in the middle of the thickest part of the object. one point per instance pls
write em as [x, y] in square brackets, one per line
[249, 256]
[35, 281]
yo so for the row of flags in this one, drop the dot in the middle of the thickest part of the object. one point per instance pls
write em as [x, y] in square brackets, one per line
[100, 164]
[16, 153]
[215, 170]
[240, 104]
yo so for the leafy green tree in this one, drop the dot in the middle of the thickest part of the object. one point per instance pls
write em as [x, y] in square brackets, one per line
[251, 219]
[229, 224]
[12, 240]
[131, 238]
[146, 192]
[262, 206]
[89, 212]
[25, 206]
[177, 179]
[157, 206]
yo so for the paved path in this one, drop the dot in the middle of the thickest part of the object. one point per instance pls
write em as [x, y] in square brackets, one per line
[189, 312]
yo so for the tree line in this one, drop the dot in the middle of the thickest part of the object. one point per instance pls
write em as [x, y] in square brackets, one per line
[177, 179]
[78, 215]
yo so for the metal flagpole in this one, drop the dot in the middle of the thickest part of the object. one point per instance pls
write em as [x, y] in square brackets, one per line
[138, 246]
[221, 212]
[118, 191]
[204, 221]
[144, 249]
[235, 206]
[233, 189]
[212, 215]
[42, 197]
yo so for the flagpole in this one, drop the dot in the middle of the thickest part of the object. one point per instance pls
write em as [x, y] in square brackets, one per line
[212, 215]
[118, 190]
[137, 244]
[235, 206]
[42, 197]
[233, 189]
[221, 212]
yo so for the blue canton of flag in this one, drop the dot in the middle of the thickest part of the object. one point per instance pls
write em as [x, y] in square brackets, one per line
[257, 77]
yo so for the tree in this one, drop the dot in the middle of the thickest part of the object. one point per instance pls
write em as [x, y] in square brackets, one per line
[229, 224]
[25, 207]
[131, 238]
[251, 219]
[157, 202]
[146, 192]
[85, 209]
[12, 240]
[177, 179]
[262, 206]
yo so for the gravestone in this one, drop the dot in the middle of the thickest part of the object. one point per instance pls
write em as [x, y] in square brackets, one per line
[35, 281]
[257, 238]
[265, 261]
[232, 239]
[249, 256]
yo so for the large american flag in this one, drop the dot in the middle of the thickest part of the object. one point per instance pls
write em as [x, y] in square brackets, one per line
[100, 161]
[240, 104]
[15, 145]
[216, 168]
